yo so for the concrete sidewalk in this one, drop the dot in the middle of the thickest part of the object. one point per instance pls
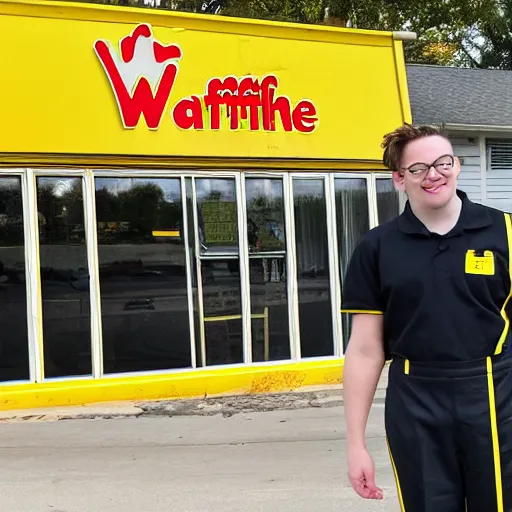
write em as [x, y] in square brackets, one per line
[285, 460]
[305, 398]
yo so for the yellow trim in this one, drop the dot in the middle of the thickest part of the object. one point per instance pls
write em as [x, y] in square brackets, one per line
[401, 75]
[226, 318]
[495, 439]
[368, 312]
[399, 490]
[68, 161]
[187, 384]
[180, 21]
[407, 366]
[503, 312]
[170, 234]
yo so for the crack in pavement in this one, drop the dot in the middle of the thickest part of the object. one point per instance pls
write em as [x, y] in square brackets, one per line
[226, 406]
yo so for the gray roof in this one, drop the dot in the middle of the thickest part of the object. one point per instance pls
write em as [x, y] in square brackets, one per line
[466, 96]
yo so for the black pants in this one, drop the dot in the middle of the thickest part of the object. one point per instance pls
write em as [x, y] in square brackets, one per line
[449, 432]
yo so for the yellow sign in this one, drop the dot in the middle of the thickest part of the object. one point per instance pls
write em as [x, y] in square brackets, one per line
[481, 263]
[90, 79]
[219, 221]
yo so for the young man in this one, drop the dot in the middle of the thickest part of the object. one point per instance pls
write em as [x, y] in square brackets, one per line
[431, 291]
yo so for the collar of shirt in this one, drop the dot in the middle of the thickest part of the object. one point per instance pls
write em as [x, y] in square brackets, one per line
[472, 216]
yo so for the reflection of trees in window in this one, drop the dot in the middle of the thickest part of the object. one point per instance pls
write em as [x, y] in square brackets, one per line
[61, 212]
[11, 215]
[133, 215]
[265, 224]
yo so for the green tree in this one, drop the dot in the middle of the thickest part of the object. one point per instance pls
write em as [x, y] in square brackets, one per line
[140, 207]
[447, 29]
[474, 33]
[496, 34]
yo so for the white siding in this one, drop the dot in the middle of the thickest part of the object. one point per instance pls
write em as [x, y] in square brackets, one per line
[470, 179]
[499, 182]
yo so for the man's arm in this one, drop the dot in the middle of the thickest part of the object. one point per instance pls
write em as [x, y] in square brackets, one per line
[364, 360]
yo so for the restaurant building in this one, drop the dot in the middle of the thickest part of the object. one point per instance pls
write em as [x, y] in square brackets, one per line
[179, 197]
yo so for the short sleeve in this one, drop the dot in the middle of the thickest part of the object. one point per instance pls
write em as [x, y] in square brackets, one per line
[361, 288]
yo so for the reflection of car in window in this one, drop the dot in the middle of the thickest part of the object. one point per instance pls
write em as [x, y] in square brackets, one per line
[78, 279]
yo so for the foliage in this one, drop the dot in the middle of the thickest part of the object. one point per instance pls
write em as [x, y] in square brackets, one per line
[473, 33]
[448, 30]
[496, 48]
[126, 216]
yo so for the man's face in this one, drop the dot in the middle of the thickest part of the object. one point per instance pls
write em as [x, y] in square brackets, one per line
[429, 172]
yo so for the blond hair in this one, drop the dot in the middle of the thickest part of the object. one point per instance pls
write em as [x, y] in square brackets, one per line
[394, 142]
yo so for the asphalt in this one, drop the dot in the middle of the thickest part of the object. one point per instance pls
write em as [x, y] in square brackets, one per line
[284, 459]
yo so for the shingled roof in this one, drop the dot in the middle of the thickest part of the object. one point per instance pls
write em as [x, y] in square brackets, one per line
[461, 96]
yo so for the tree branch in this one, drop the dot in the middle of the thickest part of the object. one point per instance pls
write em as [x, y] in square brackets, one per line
[471, 59]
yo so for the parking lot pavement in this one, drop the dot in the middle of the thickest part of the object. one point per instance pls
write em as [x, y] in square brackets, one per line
[286, 460]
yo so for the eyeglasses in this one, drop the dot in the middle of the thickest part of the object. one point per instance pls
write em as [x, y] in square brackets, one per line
[443, 165]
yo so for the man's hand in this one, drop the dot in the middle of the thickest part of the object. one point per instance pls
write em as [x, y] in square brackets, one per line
[361, 473]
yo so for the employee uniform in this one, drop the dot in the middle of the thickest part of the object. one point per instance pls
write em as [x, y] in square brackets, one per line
[445, 301]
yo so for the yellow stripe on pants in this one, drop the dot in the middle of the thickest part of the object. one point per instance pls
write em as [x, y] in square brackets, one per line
[399, 490]
[495, 438]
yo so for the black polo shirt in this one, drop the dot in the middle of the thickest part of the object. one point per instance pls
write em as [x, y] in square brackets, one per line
[440, 301]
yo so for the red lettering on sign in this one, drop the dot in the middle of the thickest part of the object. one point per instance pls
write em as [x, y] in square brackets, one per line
[218, 92]
[271, 106]
[304, 116]
[247, 98]
[143, 78]
[249, 91]
[188, 113]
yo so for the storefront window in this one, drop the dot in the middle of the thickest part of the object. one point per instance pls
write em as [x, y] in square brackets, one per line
[143, 271]
[220, 270]
[192, 233]
[268, 277]
[352, 222]
[388, 200]
[311, 244]
[14, 355]
[64, 277]
[143, 280]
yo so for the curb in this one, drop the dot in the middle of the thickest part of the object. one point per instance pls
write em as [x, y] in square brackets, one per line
[224, 405]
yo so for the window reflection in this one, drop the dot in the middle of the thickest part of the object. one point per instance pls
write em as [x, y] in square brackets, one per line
[14, 356]
[217, 215]
[144, 303]
[222, 312]
[64, 277]
[268, 278]
[352, 221]
[313, 268]
[265, 215]
[388, 200]
[220, 270]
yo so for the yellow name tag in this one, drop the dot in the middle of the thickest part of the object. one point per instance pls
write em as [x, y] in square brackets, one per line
[481, 264]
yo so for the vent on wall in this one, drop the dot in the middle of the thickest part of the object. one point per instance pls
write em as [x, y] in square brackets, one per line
[499, 155]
